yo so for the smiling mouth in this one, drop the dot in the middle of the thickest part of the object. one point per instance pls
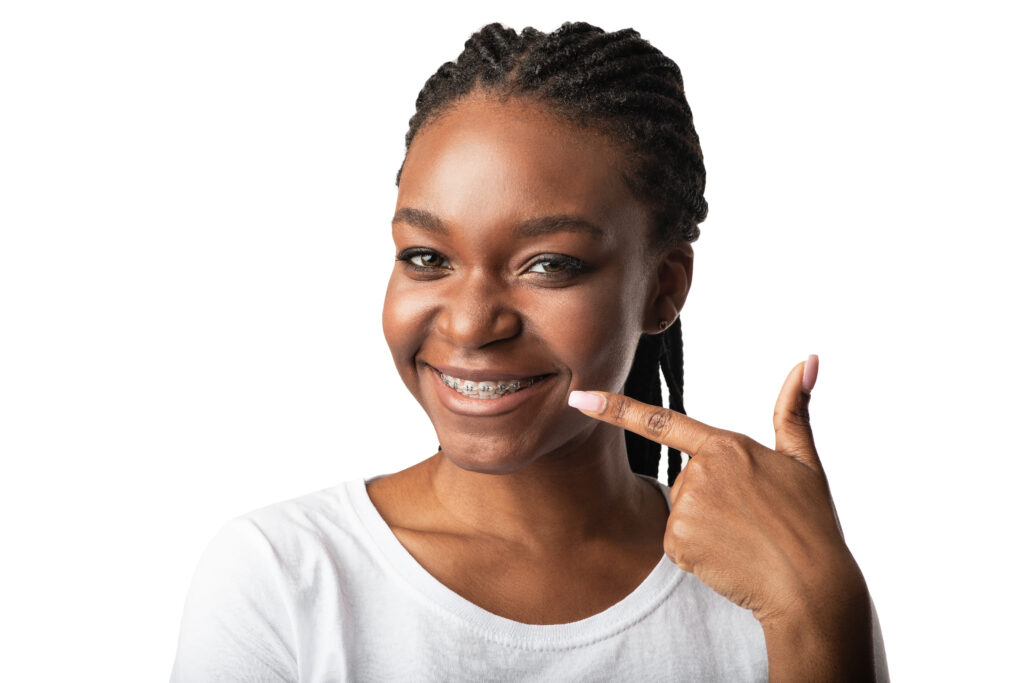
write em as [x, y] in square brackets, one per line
[488, 389]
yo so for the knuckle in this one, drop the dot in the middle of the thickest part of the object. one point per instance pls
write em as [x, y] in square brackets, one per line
[800, 417]
[696, 471]
[737, 445]
[688, 499]
[619, 409]
[721, 444]
[673, 553]
[678, 529]
[659, 422]
[740, 442]
[745, 446]
[740, 452]
[675, 545]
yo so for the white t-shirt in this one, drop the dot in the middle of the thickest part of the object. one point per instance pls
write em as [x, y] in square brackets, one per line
[319, 589]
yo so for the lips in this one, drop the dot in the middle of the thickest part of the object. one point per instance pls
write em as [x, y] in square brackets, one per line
[469, 406]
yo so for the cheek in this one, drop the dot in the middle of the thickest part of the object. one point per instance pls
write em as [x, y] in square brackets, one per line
[596, 335]
[405, 318]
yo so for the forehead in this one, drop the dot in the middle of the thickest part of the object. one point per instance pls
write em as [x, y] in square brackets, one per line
[491, 160]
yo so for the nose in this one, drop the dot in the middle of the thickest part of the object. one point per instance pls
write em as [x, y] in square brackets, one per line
[476, 311]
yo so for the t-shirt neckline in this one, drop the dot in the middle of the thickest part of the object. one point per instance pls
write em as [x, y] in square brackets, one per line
[633, 608]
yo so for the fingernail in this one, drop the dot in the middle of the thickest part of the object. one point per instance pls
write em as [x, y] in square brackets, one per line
[586, 401]
[810, 372]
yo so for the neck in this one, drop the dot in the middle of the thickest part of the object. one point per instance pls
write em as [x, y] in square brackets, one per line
[580, 494]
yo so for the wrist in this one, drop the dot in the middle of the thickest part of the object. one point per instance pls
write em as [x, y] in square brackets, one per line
[825, 634]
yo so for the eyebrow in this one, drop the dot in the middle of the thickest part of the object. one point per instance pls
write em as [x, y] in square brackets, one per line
[532, 227]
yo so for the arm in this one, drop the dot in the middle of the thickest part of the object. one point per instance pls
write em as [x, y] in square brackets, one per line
[827, 640]
[842, 644]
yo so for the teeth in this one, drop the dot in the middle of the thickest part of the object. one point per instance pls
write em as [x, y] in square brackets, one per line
[485, 390]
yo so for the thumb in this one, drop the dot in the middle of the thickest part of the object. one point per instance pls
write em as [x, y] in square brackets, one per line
[792, 419]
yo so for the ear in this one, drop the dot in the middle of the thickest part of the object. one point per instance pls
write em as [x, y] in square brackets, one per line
[674, 273]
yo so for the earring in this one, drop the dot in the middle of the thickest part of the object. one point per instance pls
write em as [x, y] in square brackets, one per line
[662, 325]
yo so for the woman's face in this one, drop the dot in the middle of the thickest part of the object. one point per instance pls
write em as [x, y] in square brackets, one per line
[522, 253]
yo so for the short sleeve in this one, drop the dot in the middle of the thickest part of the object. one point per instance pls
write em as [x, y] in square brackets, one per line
[237, 623]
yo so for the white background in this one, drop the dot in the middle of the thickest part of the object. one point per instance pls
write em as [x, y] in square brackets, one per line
[195, 201]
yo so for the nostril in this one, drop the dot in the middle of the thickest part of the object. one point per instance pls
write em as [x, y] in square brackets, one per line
[478, 324]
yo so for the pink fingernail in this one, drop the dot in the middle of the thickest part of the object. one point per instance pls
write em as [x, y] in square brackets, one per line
[586, 401]
[810, 372]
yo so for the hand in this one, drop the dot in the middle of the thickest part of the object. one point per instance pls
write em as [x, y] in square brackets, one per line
[756, 525]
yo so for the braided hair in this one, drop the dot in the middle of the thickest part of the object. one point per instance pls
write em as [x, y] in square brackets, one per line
[619, 84]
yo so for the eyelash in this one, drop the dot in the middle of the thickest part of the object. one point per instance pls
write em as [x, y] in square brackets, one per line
[572, 266]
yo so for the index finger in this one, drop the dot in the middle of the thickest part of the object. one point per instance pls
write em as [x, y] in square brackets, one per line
[656, 423]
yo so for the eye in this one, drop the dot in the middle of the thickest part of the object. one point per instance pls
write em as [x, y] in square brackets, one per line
[422, 259]
[558, 266]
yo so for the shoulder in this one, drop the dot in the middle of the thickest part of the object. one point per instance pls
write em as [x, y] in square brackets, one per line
[298, 522]
[259, 545]
[254, 584]
[302, 540]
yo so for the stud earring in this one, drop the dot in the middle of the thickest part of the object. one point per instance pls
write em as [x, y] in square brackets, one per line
[662, 325]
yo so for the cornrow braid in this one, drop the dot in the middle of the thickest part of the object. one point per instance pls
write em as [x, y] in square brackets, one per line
[618, 84]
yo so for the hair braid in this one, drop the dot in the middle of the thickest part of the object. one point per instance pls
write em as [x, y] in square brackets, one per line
[618, 84]
[672, 368]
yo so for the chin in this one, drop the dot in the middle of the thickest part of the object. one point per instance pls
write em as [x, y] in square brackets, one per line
[487, 455]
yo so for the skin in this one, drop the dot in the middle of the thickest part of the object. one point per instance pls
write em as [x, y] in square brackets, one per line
[515, 502]
[758, 526]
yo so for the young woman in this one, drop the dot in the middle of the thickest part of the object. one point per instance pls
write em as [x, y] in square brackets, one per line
[551, 188]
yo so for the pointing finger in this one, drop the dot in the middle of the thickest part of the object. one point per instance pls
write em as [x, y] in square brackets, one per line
[652, 422]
